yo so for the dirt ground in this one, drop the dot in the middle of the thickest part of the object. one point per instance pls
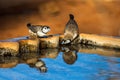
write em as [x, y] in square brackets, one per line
[93, 16]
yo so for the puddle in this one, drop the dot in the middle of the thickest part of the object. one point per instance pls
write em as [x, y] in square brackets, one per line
[73, 63]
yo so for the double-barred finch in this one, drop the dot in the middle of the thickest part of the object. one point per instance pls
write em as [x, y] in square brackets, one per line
[39, 30]
[71, 30]
[40, 65]
[70, 57]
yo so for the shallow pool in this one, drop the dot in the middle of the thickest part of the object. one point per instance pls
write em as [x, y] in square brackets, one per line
[78, 63]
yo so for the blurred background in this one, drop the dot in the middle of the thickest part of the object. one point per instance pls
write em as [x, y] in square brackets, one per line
[93, 16]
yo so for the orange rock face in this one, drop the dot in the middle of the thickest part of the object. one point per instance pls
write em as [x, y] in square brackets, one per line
[92, 16]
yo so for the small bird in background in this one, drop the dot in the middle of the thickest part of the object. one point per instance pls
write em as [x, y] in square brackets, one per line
[71, 31]
[38, 30]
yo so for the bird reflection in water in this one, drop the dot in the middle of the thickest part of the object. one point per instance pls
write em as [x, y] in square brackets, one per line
[69, 55]
[39, 65]
[33, 60]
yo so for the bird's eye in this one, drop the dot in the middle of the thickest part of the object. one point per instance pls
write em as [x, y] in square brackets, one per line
[44, 27]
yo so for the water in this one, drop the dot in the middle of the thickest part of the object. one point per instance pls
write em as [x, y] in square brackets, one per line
[66, 63]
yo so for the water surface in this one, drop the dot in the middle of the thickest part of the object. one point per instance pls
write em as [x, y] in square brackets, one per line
[66, 63]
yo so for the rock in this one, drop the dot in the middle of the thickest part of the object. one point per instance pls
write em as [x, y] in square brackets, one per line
[49, 42]
[28, 58]
[98, 40]
[8, 62]
[49, 53]
[98, 50]
[29, 45]
[9, 48]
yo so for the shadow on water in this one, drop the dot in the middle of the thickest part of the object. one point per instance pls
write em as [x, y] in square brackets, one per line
[76, 61]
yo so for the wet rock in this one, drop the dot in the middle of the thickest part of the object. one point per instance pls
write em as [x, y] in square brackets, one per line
[49, 53]
[8, 62]
[29, 58]
[9, 48]
[49, 42]
[98, 50]
[97, 40]
[29, 45]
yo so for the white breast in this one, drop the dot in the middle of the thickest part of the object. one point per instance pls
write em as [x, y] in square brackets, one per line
[39, 64]
[39, 33]
[32, 33]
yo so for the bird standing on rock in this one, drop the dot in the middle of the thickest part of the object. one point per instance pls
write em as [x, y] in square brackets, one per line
[38, 30]
[71, 31]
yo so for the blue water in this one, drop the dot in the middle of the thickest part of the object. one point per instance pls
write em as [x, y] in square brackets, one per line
[86, 67]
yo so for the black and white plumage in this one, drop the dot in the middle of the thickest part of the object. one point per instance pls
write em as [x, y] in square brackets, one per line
[71, 30]
[40, 65]
[38, 30]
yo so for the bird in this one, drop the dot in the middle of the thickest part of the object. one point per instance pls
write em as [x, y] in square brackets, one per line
[40, 65]
[71, 31]
[38, 30]
[69, 54]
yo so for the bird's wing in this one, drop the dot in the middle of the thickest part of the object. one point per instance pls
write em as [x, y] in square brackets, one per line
[34, 28]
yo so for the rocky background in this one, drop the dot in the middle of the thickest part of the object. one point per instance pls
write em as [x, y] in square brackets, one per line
[93, 16]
